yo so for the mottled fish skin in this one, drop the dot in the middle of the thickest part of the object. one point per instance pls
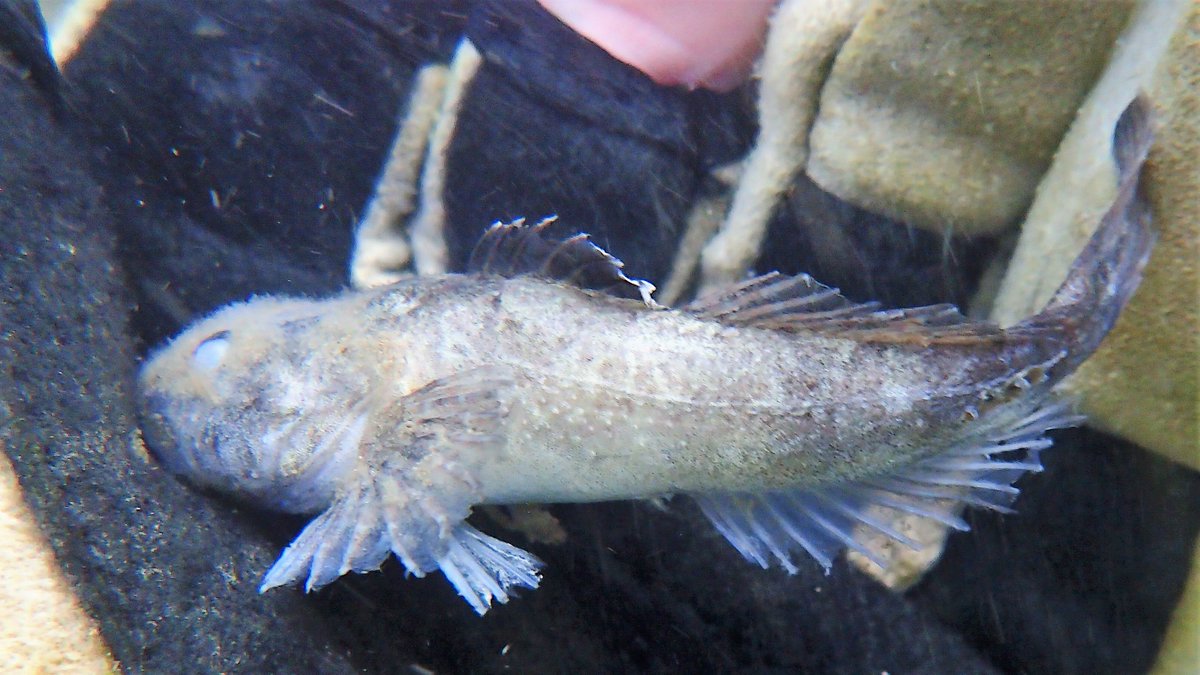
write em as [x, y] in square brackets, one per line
[785, 409]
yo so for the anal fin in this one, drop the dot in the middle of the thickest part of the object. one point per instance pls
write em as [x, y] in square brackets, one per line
[410, 494]
[769, 527]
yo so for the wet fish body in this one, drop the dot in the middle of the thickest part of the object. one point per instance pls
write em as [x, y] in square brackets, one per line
[792, 415]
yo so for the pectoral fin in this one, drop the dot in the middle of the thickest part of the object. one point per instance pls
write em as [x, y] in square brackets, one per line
[410, 494]
[771, 526]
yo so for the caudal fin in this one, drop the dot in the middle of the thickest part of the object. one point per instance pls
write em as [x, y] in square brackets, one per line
[1109, 269]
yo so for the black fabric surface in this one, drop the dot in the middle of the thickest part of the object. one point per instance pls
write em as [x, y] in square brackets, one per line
[265, 121]
[554, 126]
[112, 239]
[166, 572]
[1083, 578]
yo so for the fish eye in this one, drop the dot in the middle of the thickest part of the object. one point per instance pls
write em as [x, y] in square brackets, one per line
[209, 353]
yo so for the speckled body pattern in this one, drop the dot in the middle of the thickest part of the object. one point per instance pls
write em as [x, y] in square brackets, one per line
[787, 411]
[609, 399]
[612, 400]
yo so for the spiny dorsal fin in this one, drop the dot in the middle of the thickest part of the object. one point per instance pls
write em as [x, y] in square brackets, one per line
[800, 303]
[515, 249]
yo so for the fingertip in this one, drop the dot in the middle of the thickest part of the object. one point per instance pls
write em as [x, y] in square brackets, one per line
[693, 43]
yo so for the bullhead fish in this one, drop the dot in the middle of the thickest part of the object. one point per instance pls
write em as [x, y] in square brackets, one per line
[797, 419]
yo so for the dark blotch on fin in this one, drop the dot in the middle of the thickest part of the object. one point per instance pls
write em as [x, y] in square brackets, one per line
[770, 526]
[515, 249]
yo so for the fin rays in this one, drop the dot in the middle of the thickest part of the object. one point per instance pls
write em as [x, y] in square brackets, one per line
[484, 568]
[800, 303]
[513, 249]
[770, 526]
[411, 499]
[354, 535]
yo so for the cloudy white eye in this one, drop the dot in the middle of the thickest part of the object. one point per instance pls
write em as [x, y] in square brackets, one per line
[211, 352]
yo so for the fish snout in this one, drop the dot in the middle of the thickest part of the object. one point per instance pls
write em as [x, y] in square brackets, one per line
[157, 430]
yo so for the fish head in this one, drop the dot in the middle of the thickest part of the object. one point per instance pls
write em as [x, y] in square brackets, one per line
[249, 401]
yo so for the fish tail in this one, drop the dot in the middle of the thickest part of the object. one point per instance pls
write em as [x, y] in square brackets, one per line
[1108, 270]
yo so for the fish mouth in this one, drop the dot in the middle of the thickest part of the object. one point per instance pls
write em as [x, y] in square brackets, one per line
[157, 431]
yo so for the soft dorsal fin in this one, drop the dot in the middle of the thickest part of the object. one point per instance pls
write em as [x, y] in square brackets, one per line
[515, 249]
[800, 303]
[776, 299]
